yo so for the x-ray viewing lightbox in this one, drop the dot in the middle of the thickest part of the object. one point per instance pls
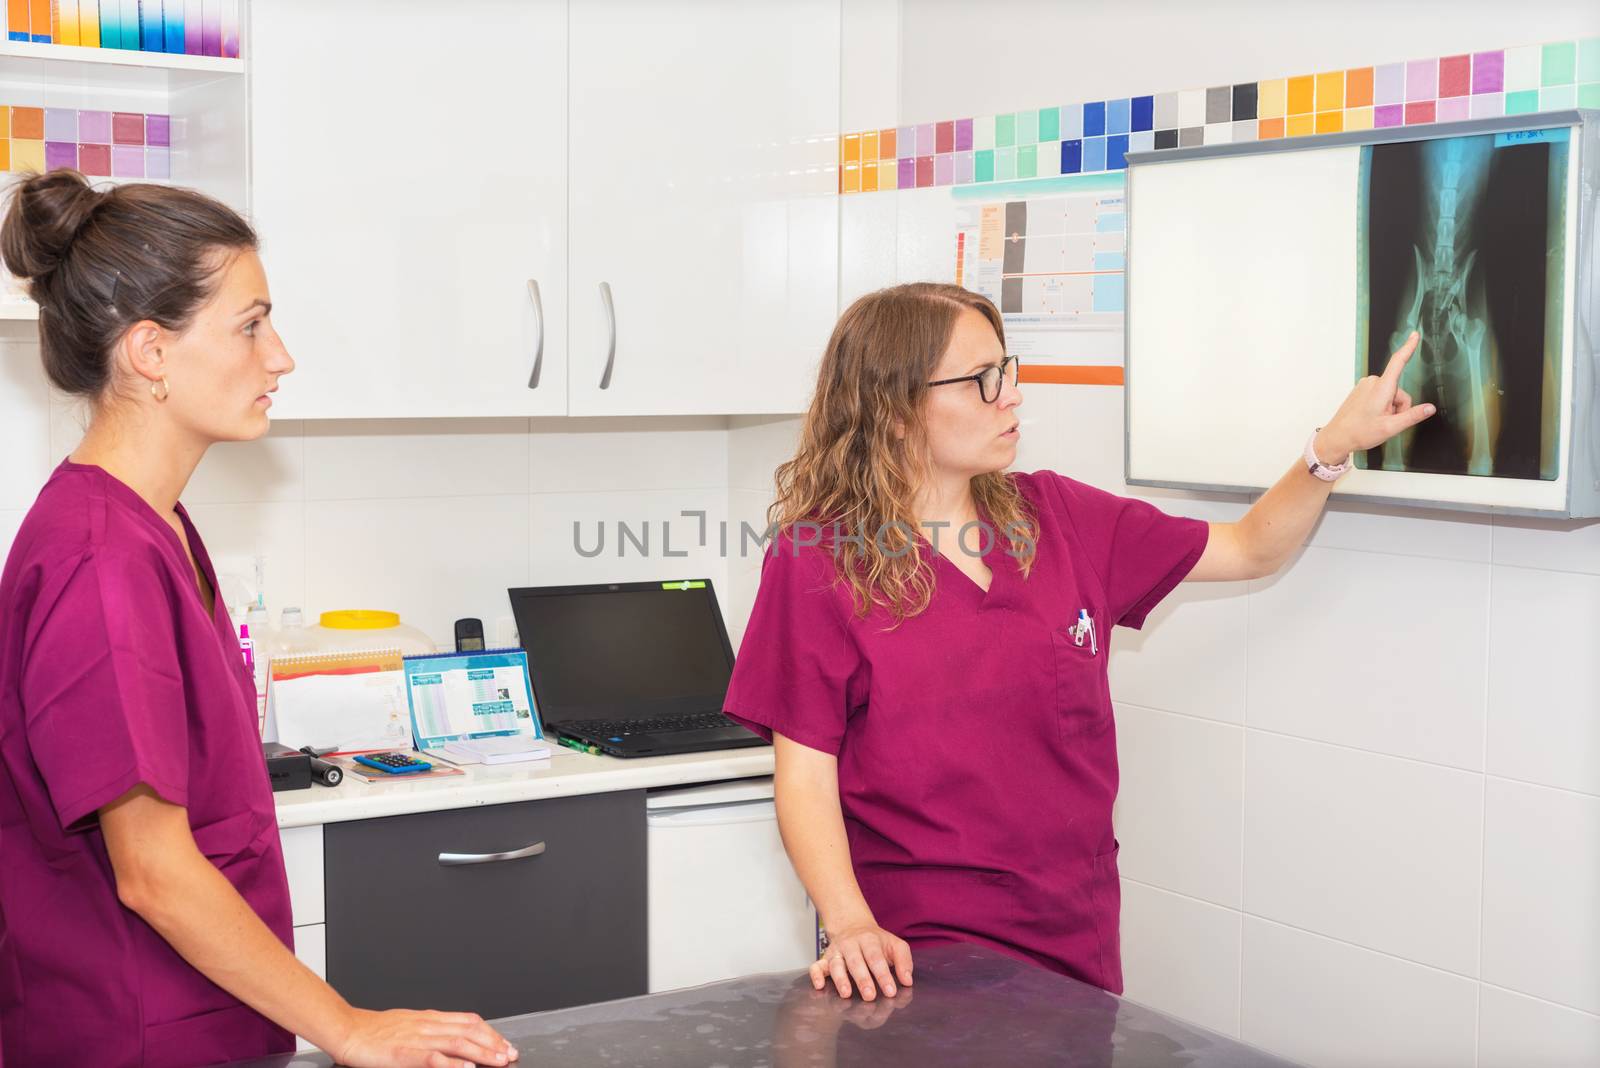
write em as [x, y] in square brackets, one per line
[1265, 278]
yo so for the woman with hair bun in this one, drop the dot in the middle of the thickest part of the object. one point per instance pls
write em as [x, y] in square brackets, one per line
[144, 909]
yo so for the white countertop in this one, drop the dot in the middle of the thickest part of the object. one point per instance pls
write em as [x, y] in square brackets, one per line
[567, 774]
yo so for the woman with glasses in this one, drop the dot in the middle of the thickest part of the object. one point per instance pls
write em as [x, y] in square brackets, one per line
[928, 646]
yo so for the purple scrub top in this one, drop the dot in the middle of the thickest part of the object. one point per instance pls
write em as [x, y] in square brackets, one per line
[977, 752]
[112, 674]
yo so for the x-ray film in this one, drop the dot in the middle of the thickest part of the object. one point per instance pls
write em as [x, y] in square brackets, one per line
[1463, 240]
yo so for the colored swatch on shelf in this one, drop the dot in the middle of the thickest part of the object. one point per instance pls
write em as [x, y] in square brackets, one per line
[172, 26]
[101, 144]
[211, 27]
[178, 27]
[64, 22]
[89, 23]
[1095, 136]
[17, 20]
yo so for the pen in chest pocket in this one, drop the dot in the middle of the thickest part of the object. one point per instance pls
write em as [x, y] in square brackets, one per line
[1085, 628]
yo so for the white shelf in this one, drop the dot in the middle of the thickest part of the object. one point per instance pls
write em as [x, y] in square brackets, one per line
[121, 57]
[29, 68]
[18, 310]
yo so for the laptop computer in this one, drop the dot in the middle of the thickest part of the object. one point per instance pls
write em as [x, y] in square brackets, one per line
[633, 668]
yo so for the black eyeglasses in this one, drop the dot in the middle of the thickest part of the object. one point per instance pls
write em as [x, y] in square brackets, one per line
[989, 378]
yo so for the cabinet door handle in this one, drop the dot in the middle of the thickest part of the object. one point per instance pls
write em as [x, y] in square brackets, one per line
[538, 325]
[611, 323]
[533, 850]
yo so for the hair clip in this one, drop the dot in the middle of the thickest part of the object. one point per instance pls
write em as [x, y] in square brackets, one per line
[116, 276]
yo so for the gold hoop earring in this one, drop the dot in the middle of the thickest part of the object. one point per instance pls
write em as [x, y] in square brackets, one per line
[160, 390]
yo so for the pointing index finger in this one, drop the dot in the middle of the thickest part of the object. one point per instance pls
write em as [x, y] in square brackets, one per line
[1397, 362]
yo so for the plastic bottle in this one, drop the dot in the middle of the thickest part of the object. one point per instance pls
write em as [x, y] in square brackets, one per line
[291, 636]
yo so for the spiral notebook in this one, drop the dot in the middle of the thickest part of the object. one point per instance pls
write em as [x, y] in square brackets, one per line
[352, 701]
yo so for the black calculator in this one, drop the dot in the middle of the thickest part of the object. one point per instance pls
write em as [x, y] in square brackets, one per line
[393, 763]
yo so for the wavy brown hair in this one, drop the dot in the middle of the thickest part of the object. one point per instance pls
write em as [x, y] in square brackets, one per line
[852, 472]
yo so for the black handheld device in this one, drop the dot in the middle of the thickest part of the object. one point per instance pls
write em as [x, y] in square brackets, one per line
[469, 635]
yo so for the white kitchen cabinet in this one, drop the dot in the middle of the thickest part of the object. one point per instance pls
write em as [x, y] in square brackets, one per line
[410, 186]
[703, 225]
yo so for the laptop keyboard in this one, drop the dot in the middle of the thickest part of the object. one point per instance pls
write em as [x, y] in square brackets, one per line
[655, 724]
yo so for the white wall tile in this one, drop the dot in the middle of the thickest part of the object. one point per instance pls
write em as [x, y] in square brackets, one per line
[1410, 531]
[925, 235]
[1089, 425]
[1197, 45]
[431, 561]
[24, 422]
[271, 468]
[1181, 956]
[1179, 812]
[756, 446]
[1380, 652]
[1373, 850]
[1190, 656]
[1322, 1002]
[556, 558]
[747, 524]
[10, 521]
[1522, 1032]
[69, 418]
[352, 459]
[867, 244]
[1559, 544]
[597, 455]
[235, 534]
[1039, 444]
[869, 90]
[1541, 893]
[1211, 507]
[742, 588]
[743, 558]
[1544, 678]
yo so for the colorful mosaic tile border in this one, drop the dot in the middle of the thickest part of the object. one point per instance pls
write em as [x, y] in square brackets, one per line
[109, 144]
[1093, 137]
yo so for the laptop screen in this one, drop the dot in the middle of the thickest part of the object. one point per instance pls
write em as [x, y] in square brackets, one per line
[624, 650]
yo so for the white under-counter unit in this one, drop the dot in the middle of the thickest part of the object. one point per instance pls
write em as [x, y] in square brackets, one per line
[724, 900]
[596, 209]
[579, 873]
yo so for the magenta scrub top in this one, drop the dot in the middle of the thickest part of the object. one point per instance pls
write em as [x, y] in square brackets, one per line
[977, 754]
[112, 674]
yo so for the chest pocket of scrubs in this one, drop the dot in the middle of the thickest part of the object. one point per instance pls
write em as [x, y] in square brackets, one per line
[1083, 702]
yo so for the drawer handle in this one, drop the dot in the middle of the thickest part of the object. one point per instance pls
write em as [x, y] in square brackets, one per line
[448, 859]
[610, 309]
[538, 317]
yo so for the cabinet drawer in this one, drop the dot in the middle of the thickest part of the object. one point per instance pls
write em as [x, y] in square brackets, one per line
[419, 916]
